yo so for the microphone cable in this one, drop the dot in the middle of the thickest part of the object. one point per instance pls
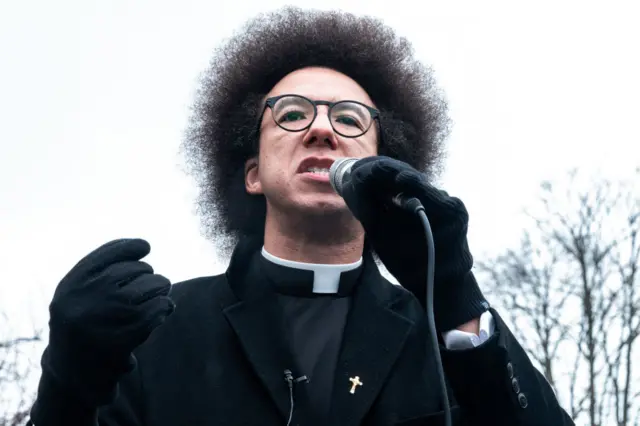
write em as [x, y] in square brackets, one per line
[414, 206]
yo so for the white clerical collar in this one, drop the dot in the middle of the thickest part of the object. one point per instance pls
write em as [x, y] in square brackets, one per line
[326, 278]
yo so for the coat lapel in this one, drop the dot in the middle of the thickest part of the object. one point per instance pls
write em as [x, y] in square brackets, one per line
[373, 339]
[258, 324]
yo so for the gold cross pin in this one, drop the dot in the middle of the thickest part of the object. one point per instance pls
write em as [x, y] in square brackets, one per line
[355, 381]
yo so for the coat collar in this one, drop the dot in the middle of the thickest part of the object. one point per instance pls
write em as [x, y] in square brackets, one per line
[373, 338]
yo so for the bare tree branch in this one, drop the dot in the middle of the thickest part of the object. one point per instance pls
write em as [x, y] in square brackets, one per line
[582, 256]
[15, 400]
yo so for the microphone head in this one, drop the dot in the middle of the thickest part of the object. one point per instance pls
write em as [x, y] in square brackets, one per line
[337, 172]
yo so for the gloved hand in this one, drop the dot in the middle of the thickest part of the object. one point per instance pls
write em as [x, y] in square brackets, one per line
[397, 236]
[104, 308]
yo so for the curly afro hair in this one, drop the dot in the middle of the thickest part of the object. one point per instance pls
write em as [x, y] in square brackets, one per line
[222, 133]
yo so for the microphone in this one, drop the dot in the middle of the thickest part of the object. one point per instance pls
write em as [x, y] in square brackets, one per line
[340, 175]
[288, 377]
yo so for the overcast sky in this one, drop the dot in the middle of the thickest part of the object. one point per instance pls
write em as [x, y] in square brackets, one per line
[94, 97]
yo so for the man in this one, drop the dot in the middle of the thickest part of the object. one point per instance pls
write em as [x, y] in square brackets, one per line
[302, 329]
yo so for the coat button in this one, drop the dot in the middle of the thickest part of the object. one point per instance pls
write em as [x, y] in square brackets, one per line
[510, 370]
[523, 400]
[515, 385]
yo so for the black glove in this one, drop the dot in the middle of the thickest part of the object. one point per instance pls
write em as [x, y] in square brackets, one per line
[397, 236]
[104, 308]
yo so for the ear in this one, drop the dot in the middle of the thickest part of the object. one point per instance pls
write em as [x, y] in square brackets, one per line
[251, 178]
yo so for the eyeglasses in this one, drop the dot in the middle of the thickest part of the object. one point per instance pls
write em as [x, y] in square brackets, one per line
[296, 113]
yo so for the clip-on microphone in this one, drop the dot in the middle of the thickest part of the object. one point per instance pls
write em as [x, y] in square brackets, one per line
[288, 377]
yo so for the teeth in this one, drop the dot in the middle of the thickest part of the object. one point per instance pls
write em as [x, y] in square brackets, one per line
[318, 170]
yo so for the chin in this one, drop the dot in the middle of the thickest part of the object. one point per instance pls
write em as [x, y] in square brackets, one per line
[321, 206]
[316, 204]
[325, 202]
[324, 209]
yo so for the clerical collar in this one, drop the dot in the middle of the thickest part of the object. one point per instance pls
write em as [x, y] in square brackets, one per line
[306, 279]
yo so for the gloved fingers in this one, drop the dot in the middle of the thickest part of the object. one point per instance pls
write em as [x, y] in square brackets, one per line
[434, 200]
[145, 287]
[382, 177]
[122, 327]
[376, 173]
[119, 274]
[78, 303]
[371, 188]
[372, 185]
[150, 315]
[121, 250]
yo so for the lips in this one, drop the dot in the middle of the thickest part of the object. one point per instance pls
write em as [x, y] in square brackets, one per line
[315, 165]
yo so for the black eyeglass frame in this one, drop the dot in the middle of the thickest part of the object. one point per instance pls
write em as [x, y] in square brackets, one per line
[270, 103]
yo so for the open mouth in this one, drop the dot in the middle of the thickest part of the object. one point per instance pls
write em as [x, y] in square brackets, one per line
[316, 169]
[316, 166]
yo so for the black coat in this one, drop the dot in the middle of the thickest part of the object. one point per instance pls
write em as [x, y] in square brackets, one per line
[218, 361]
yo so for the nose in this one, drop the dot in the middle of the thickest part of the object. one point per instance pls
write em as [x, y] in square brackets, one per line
[321, 131]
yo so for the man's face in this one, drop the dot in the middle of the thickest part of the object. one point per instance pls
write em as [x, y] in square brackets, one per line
[282, 170]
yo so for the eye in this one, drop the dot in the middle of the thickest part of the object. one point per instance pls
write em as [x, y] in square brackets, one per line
[292, 116]
[348, 121]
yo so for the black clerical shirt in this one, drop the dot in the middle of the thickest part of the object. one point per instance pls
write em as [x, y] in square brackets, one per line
[315, 303]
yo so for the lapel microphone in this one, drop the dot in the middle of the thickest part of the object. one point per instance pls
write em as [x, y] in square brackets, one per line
[288, 377]
[339, 176]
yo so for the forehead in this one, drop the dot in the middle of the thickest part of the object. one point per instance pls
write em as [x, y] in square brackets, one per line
[321, 84]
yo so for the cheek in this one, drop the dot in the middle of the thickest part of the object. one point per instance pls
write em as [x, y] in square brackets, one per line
[275, 160]
[374, 148]
[364, 147]
[374, 141]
